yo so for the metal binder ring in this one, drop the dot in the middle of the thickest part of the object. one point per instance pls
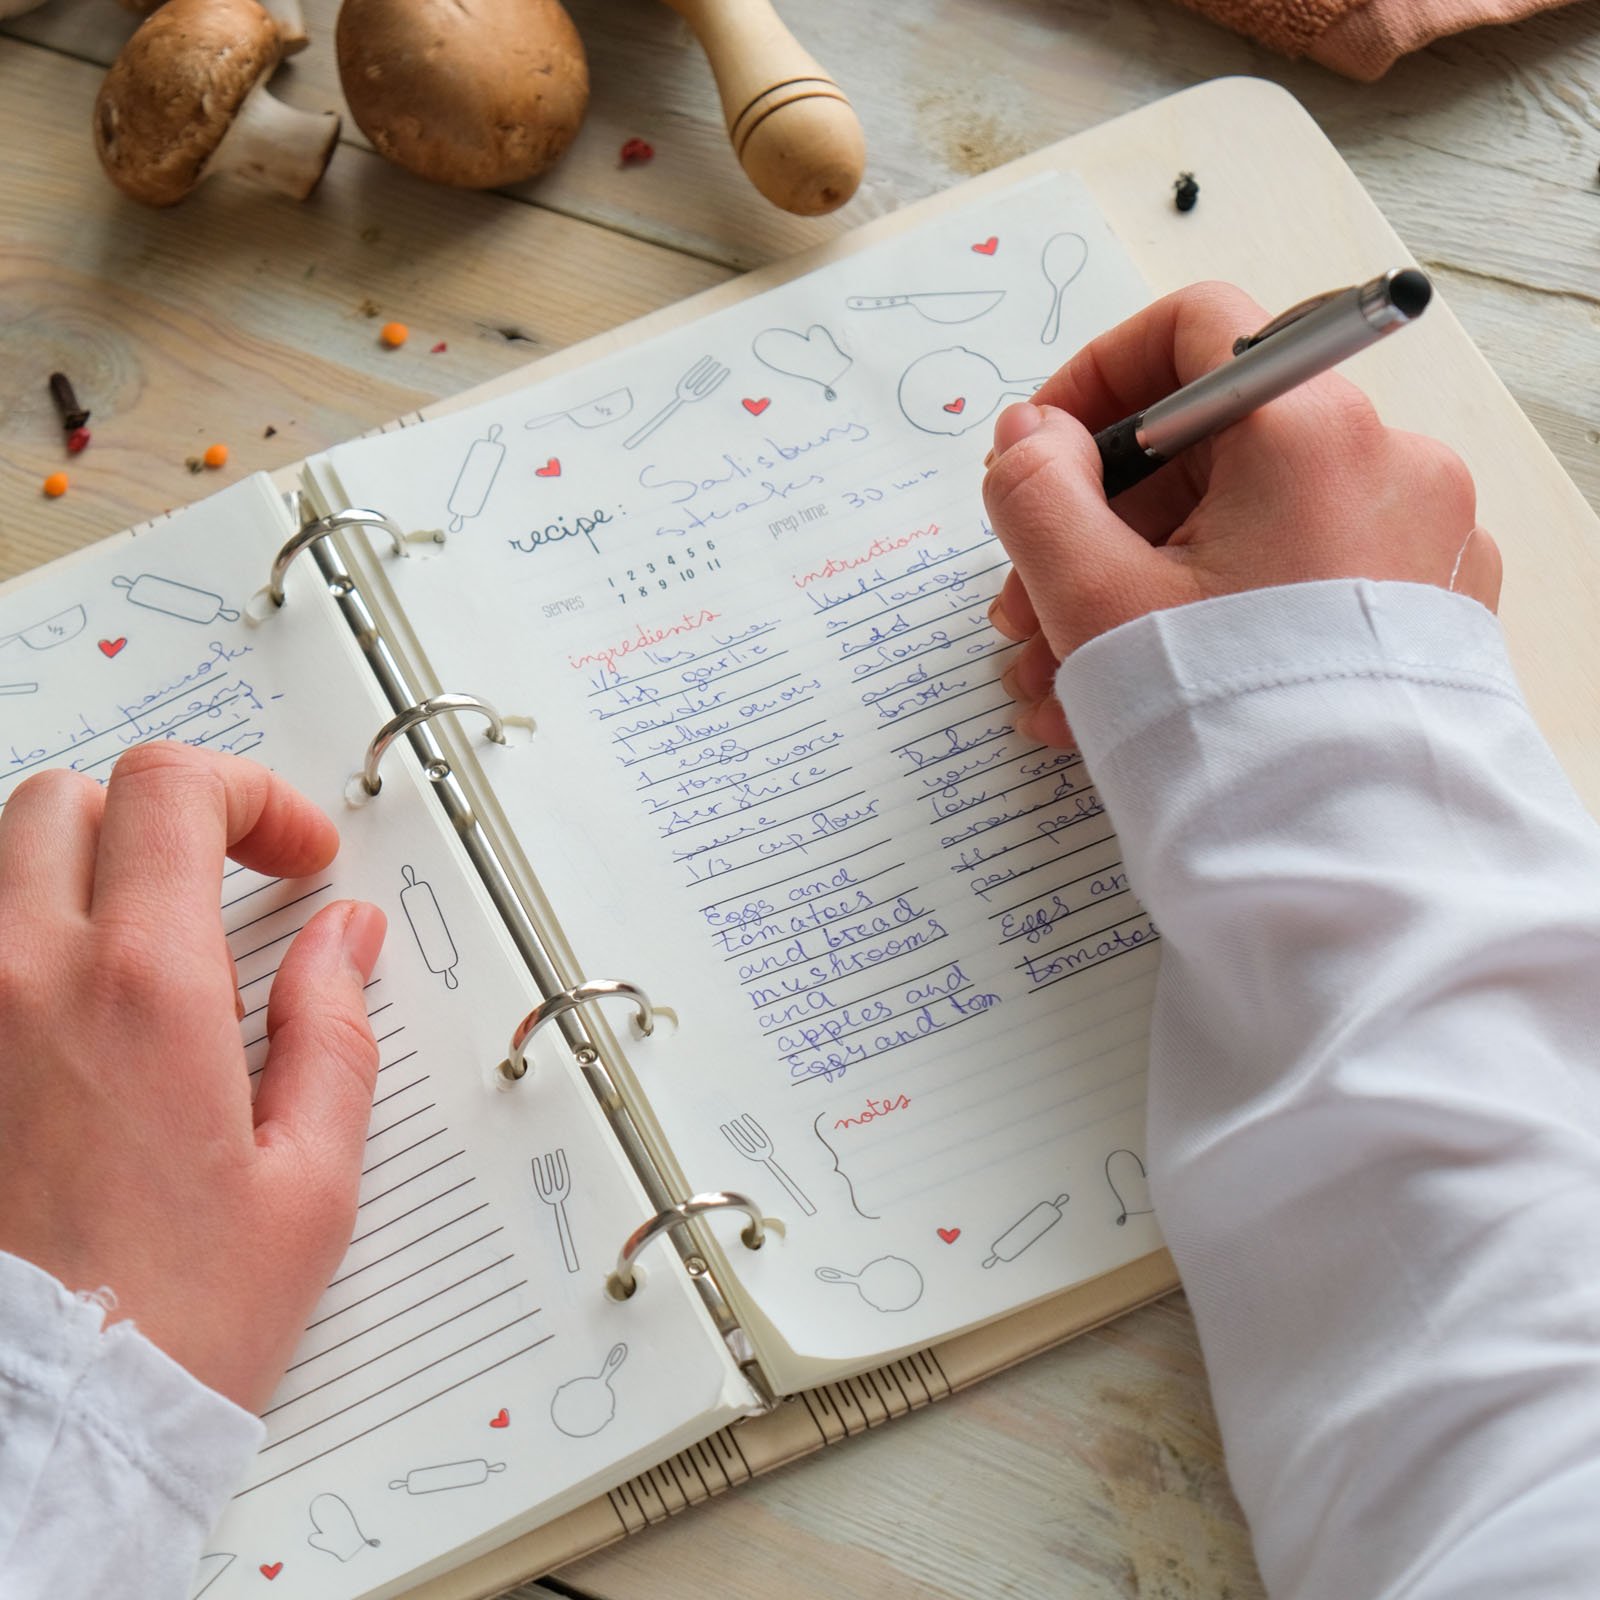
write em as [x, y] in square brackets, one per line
[516, 1063]
[334, 522]
[434, 706]
[622, 1283]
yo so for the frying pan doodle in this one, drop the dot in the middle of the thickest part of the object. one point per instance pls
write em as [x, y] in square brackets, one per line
[953, 390]
[334, 1529]
[180, 600]
[52, 631]
[584, 1405]
[1130, 1188]
[888, 1283]
[608, 408]
[813, 356]
[447, 1475]
[1064, 256]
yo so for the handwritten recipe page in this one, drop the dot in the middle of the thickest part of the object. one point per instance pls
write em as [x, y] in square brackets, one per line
[464, 1365]
[739, 575]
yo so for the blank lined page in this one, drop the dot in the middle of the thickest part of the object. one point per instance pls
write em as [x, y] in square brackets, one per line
[465, 1375]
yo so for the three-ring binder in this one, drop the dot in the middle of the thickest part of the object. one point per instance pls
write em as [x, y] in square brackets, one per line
[414, 709]
[414, 716]
[515, 1064]
[320, 528]
[624, 1281]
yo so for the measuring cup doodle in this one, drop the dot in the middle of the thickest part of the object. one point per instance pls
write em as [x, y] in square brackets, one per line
[52, 631]
[612, 407]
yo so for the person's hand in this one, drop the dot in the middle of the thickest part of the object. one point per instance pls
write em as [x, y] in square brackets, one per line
[130, 1154]
[1311, 486]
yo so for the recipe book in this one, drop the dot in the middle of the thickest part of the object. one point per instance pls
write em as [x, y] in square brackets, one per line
[723, 745]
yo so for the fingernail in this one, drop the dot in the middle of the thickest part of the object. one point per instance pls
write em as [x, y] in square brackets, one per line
[988, 461]
[1014, 424]
[238, 1005]
[363, 937]
[1022, 722]
[1000, 621]
[1008, 681]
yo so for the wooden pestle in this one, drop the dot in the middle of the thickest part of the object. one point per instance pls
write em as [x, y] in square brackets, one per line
[793, 130]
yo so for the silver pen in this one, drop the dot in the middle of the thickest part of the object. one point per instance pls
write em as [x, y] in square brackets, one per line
[1307, 339]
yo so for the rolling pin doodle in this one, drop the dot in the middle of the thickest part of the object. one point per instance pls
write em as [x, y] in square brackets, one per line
[449, 1475]
[1027, 1231]
[175, 599]
[428, 927]
[476, 478]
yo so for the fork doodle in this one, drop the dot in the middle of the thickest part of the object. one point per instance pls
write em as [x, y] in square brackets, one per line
[695, 384]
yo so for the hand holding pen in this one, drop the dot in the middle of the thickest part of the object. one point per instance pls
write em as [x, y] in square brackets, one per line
[1308, 487]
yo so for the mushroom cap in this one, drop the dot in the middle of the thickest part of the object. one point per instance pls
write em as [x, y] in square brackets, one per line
[476, 95]
[170, 97]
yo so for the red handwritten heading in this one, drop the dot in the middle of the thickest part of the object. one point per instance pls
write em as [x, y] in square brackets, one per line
[642, 639]
[874, 1110]
[834, 565]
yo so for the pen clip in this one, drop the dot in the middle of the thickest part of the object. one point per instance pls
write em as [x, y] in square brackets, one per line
[1279, 323]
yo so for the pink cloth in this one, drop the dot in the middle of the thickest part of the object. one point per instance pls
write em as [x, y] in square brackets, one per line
[1360, 38]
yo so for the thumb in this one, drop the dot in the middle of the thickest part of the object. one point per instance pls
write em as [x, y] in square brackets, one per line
[1085, 570]
[322, 1061]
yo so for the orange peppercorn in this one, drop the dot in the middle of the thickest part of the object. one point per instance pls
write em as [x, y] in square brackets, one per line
[216, 455]
[394, 334]
[56, 485]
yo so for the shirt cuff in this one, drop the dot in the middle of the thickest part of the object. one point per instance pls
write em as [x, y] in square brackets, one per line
[61, 1370]
[1122, 683]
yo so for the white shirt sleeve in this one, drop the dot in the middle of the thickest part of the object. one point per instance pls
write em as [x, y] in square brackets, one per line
[1374, 1135]
[115, 1463]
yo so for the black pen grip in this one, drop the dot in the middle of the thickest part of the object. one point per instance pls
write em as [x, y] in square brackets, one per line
[1123, 460]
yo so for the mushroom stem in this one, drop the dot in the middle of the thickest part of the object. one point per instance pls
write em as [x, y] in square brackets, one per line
[291, 24]
[276, 145]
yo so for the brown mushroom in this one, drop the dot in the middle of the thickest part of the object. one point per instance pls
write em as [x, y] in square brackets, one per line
[286, 13]
[187, 98]
[477, 96]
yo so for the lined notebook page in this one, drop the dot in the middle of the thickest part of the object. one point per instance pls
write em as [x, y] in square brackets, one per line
[740, 576]
[464, 1376]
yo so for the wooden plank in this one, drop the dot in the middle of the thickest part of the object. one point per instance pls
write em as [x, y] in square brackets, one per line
[1492, 125]
[241, 311]
[1092, 1471]
[943, 98]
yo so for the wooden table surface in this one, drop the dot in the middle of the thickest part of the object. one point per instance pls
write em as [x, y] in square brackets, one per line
[1095, 1470]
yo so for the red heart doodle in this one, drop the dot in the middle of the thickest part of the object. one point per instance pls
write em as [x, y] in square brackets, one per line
[272, 1571]
[501, 1421]
[957, 406]
[551, 469]
[111, 647]
[949, 1235]
[988, 247]
[756, 407]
